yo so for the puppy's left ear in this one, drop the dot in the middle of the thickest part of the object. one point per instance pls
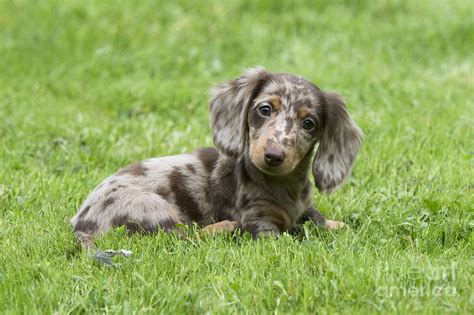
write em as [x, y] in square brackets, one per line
[228, 109]
[338, 145]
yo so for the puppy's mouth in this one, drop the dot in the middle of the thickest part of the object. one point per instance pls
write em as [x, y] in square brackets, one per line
[279, 170]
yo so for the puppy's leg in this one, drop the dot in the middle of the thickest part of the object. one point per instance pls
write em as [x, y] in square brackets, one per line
[138, 210]
[259, 223]
[334, 225]
[225, 225]
[313, 215]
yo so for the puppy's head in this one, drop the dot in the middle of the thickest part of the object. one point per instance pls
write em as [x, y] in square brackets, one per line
[277, 118]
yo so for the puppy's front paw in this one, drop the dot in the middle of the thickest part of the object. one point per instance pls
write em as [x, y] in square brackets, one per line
[225, 225]
[334, 225]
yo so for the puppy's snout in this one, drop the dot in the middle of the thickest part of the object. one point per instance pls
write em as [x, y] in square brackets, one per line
[274, 156]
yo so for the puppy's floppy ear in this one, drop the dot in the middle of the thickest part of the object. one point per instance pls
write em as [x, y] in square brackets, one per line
[338, 145]
[228, 110]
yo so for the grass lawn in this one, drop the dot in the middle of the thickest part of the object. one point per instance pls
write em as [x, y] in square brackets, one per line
[88, 87]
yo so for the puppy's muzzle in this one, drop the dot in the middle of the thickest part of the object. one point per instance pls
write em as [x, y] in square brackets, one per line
[274, 156]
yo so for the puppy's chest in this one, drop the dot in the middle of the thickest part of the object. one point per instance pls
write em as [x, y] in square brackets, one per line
[274, 200]
[293, 208]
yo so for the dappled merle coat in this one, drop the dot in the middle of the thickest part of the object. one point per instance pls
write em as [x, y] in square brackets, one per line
[265, 127]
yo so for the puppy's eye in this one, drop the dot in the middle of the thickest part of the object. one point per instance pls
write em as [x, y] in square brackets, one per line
[265, 110]
[308, 124]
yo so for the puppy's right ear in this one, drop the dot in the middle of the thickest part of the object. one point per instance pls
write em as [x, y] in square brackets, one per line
[228, 108]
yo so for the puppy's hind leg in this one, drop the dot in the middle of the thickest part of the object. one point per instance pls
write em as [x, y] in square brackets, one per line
[137, 210]
[85, 228]
[142, 212]
[313, 215]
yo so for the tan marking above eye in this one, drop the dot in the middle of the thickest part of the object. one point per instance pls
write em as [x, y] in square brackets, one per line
[276, 103]
[303, 112]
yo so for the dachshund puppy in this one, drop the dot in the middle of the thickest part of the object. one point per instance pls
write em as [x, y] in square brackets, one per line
[265, 127]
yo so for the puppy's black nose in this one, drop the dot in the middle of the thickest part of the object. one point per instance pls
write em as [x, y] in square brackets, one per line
[274, 157]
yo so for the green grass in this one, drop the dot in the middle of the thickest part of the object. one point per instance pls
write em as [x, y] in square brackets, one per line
[89, 86]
